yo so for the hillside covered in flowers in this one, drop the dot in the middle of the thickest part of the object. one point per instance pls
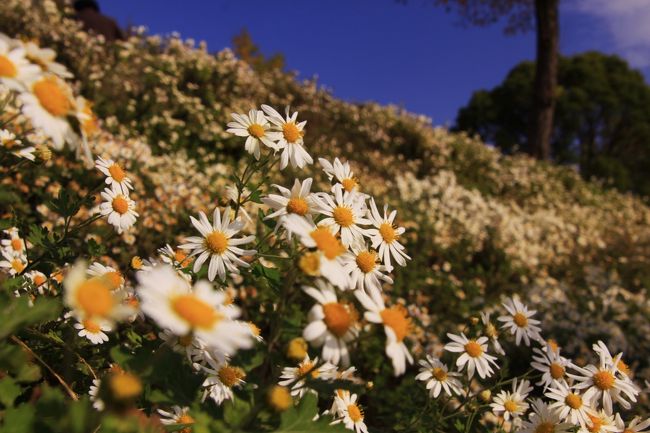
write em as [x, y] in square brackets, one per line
[179, 253]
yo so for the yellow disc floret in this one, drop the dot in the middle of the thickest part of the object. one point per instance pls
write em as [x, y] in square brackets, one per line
[337, 318]
[396, 318]
[52, 97]
[195, 311]
[216, 242]
[366, 261]
[473, 349]
[7, 67]
[94, 298]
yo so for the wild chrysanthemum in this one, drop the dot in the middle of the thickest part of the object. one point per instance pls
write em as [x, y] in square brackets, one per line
[363, 267]
[109, 275]
[115, 175]
[569, 404]
[222, 378]
[344, 215]
[634, 426]
[384, 236]
[438, 377]
[492, 333]
[15, 244]
[544, 420]
[217, 244]
[332, 324]
[512, 404]
[9, 141]
[45, 59]
[347, 410]
[298, 200]
[600, 422]
[397, 326]
[340, 173]
[296, 377]
[119, 208]
[94, 330]
[288, 135]
[519, 321]
[552, 366]
[177, 415]
[256, 128]
[15, 70]
[474, 355]
[13, 263]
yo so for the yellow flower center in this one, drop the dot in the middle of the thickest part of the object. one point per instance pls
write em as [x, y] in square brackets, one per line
[327, 242]
[473, 349]
[89, 124]
[553, 345]
[439, 374]
[309, 263]
[39, 280]
[510, 406]
[95, 298]
[181, 257]
[113, 279]
[343, 216]
[120, 205]
[297, 205]
[366, 261]
[574, 401]
[17, 265]
[349, 184]
[279, 398]
[307, 367]
[216, 242]
[7, 67]
[17, 244]
[91, 326]
[545, 427]
[337, 318]
[387, 232]
[196, 312]
[256, 130]
[603, 380]
[52, 97]
[556, 370]
[125, 386]
[291, 132]
[596, 424]
[116, 172]
[297, 348]
[396, 318]
[231, 376]
[185, 419]
[136, 262]
[623, 367]
[520, 320]
[355, 413]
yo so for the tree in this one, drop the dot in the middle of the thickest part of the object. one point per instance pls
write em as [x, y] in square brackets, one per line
[523, 15]
[249, 52]
[602, 117]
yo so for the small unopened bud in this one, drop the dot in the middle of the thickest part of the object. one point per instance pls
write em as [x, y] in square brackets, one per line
[279, 398]
[136, 262]
[43, 153]
[485, 395]
[297, 349]
[474, 320]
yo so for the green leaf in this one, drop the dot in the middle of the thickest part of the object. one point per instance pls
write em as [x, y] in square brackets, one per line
[235, 411]
[299, 419]
[9, 391]
[18, 420]
[17, 313]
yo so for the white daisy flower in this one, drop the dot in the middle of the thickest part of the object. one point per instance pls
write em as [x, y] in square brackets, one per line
[342, 173]
[512, 404]
[256, 128]
[45, 58]
[326, 261]
[217, 243]
[296, 377]
[544, 420]
[347, 410]
[222, 378]
[298, 200]
[15, 245]
[13, 263]
[332, 324]
[600, 422]
[474, 355]
[93, 392]
[634, 426]
[177, 415]
[47, 103]
[93, 330]
[519, 322]
[111, 276]
[384, 235]
[9, 141]
[397, 326]
[550, 364]
[606, 358]
[288, 136]
[177, 258]
[115, 175]
[492, 333]
[438, 377]
[15, 69]
[119, 208]
[39, 280]
[344, 214]
[569, 404]
[364, 269]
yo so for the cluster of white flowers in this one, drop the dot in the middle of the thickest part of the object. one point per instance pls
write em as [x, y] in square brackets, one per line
[576, 397]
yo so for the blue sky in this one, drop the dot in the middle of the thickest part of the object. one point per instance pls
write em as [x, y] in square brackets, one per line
[413, 55]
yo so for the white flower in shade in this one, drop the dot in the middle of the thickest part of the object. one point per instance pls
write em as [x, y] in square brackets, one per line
[438, 377]
[603, 385]
[340, 173]
[512, 404]
[332, 324]
[187, 345]
[118, 208]
[296, 377]
[474, 355]
[200, 310]
[14, 264]
[569, 404]
[256, 128]
[288, 136]
[544, 420]
[177, 258]
[15, 244]
[552, 366]
[15, 69]
[384, 236]
[363, 267]
[492, 333]
[327, 259]
[519, 322]
[397, 326]
[344, 214]
[93, 392]
[110, 276]
[93, 298]
[45, 58]
[606, 358]
[298, 200]
[634, 426]
[93, 330]
[177, 415]
[600, 422]
[115, 175]
[217, 244]
[9, 141]
[222, 378]
[346, 410]
[47, 103]
[39, 280]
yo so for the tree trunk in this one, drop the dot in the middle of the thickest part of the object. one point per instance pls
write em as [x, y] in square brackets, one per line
[548, 35]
